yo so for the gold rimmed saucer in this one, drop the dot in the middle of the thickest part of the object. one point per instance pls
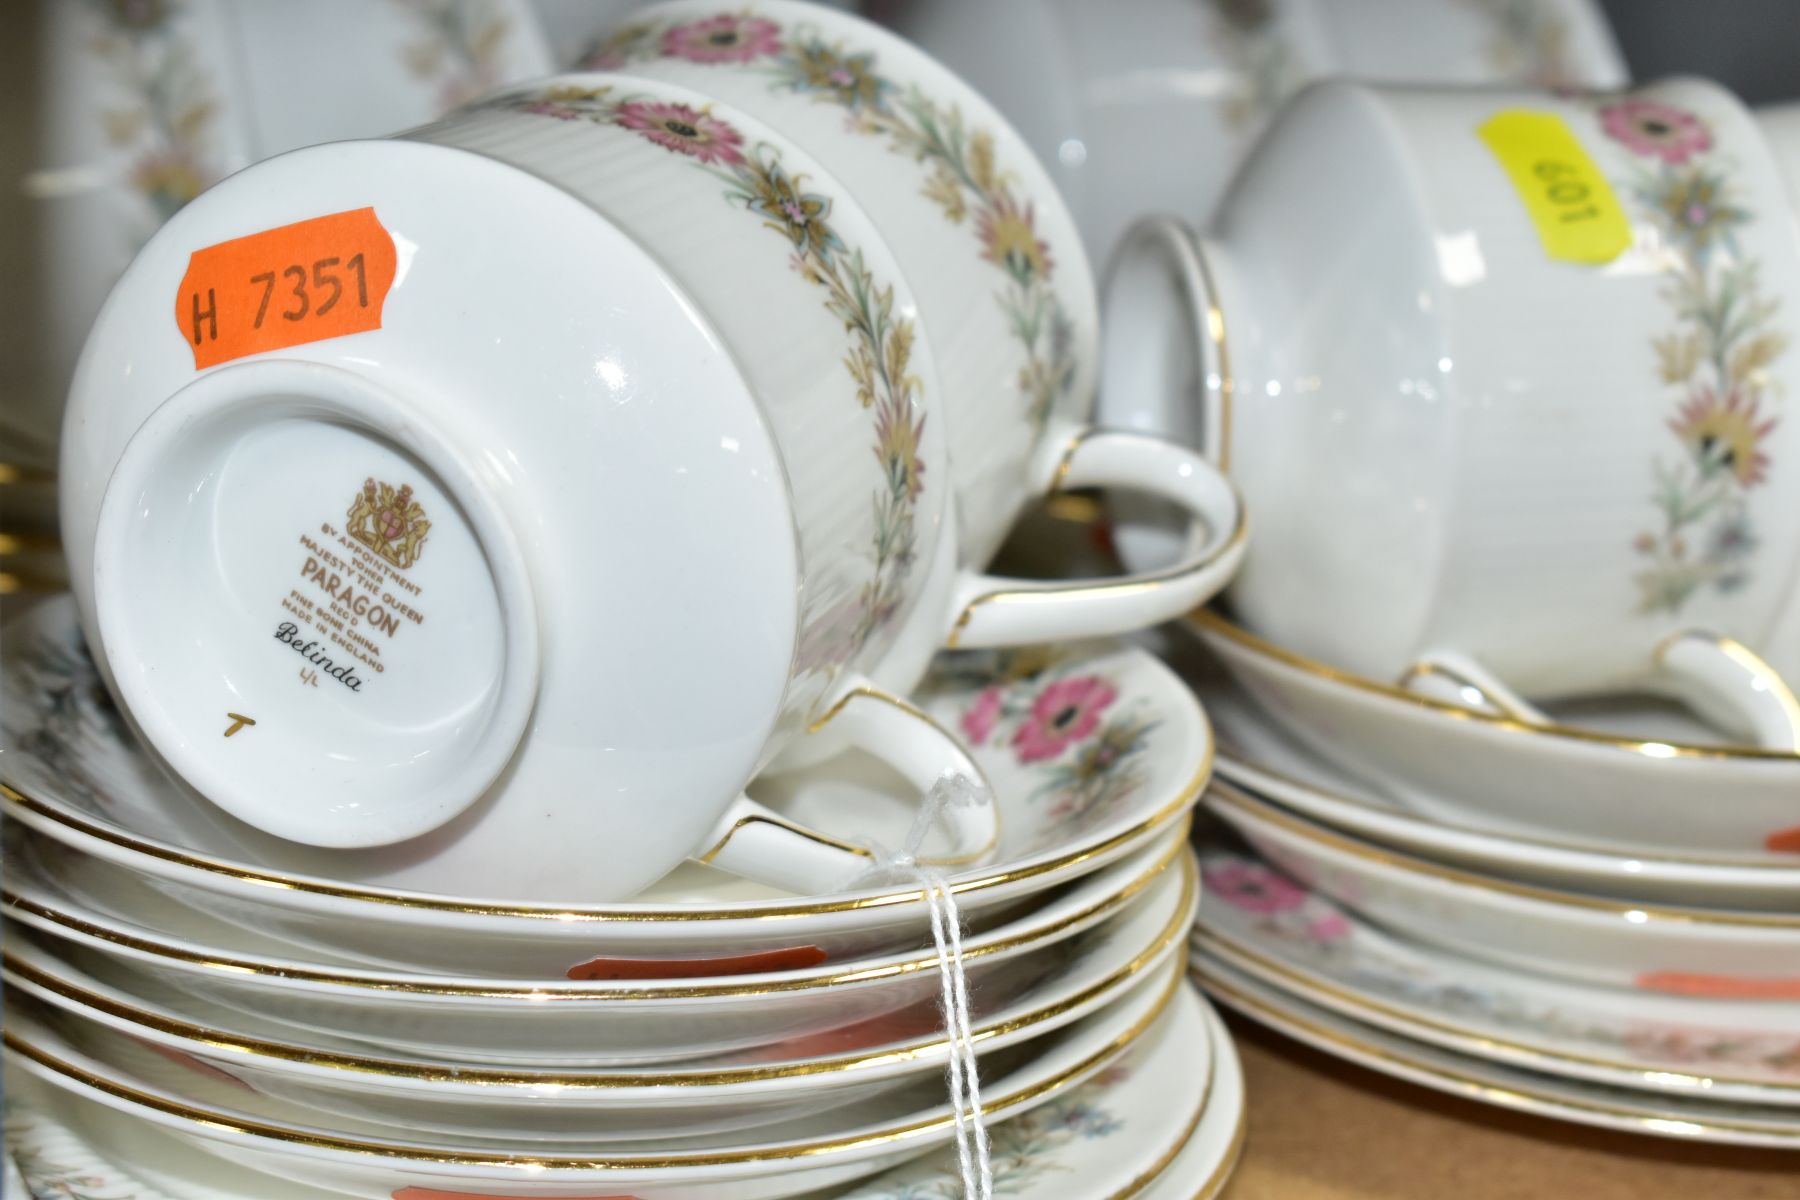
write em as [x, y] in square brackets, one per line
[1225, 797]
[1505, 1087]
[60, 1068]
[52, 988]
[55, 919]
[1210, 622]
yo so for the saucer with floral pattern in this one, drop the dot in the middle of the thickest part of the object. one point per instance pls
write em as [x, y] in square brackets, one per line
[1582, 1102]
[1271, 927]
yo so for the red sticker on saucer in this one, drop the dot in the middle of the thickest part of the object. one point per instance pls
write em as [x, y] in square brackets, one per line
[1784, 841]
[1719, 987]
[417, 1193]
[198, 1065]
[300, 283]
[794, 958]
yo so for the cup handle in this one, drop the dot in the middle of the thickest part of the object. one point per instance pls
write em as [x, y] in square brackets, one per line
[759, 843]
[1721, 680]
[1165, 367]
[1731, 686]
[999, 611]
[1455, 678]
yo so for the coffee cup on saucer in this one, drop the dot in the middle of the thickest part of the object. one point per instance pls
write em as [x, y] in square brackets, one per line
[1532, 381]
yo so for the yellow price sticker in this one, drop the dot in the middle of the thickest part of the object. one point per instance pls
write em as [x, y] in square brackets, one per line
[1578, 217]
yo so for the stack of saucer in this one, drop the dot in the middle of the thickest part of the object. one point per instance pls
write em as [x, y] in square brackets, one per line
[708, 1037]
[520, 566]
[1500, 374]
[1429, 917]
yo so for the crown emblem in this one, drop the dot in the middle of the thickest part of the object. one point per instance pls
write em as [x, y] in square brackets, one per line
[389, 522]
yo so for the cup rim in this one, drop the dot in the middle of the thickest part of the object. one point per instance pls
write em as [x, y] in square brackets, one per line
[917, 60]
[1210, 621]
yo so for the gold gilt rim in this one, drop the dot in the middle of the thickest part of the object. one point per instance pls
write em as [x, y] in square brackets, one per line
[1221, 1174]
[796, 830]
[244, 1125]
[19, 473]
[1186, 796]
[1506, 1097]
[1239, 759]
[555, 990]
[1148, 1175]
[1296, 979]
[1172, 930]
[29, 543]
[1752, 664]
[1210, 621]
[30, 583]
[1224, 795]
[1226, 394]
[1106, 585]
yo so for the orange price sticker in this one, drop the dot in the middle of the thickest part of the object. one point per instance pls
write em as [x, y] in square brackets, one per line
[424, 1193]
[305, 282]
[795, 958]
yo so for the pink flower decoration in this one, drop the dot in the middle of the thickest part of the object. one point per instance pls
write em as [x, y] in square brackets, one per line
[828, 638]
[684, 130]
[982, 716]
[550, 108]
[1253, 887]
[1655, 129]
[722, 39]
[1064, 712]
[1329, 927]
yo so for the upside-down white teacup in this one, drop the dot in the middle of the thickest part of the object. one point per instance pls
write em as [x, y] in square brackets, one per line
[501, 498]
[421, 509]
[1144, 106]
[1503, 376]
[1005, 294]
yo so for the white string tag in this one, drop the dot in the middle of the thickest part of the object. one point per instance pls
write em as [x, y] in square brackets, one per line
[973, 1147]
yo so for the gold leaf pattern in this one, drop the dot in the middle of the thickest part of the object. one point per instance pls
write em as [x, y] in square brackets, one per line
[941, 188]
[1755, 356]
[1678, 356]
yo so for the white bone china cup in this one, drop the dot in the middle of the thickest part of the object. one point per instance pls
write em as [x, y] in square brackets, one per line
[493, 503]
[1098, 89]
[1005, 293]
[1469, 439]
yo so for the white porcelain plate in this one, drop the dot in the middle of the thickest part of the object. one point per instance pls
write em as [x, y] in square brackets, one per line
[1624, 784]
[755, 1087]
[1267, 925]
[1718, 953]
[1477, 1079]
[1256, 753]
[1205, 1164]
[1136, 1114]
[832, 1148]
[1127, 1132]
[1093, 750]
[615, 1019]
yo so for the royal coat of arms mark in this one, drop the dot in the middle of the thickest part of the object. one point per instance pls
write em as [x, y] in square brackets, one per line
[389, 521]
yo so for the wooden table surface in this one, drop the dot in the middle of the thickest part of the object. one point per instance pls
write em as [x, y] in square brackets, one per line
[1323, 1129]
